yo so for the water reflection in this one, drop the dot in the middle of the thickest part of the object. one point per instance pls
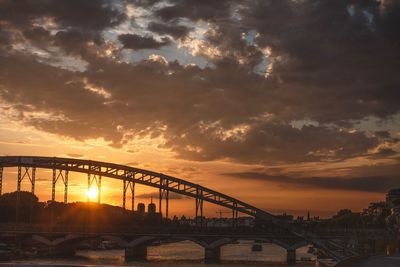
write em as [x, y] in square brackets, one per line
[185, 253]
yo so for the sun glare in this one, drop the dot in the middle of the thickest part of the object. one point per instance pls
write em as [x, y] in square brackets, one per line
[92, 193]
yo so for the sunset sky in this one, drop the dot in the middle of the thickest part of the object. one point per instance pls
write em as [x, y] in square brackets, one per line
[289, 105]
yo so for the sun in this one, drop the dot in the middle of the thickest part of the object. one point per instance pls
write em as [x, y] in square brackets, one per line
[92, 193]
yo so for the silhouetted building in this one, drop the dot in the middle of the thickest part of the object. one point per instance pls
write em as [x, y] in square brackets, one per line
[391, 196]
[151, 208]
[141, 208]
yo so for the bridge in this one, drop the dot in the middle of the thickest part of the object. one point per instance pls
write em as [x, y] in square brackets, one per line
[130, 176]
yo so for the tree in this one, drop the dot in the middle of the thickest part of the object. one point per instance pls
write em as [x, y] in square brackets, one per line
[28, 205]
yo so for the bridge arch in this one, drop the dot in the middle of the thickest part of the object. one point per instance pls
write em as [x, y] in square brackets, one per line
[128, 174]
[27, 166]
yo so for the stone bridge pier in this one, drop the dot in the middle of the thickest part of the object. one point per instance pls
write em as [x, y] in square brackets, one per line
[136, 253]
[290, 249]
[58, 247]
[135, 249]
[212, 249]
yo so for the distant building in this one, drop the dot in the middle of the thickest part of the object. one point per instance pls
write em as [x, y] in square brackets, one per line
[285, 217]
[151, 208]
[141, 208]
[392, 196]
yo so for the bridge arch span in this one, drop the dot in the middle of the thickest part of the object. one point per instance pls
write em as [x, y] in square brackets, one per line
[128, 174]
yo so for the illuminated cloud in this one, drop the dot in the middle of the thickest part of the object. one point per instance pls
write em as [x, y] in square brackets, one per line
[329, 63]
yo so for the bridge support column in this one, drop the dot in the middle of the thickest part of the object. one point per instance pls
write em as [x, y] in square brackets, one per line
[128, 184]
[199, 207]
[63, 175]
[291, 256]
[163, 194]
[30, 173]
[212, 255]
[234, 215]
[136, 253]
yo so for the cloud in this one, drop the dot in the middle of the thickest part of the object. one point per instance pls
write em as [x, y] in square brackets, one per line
[74, 155]
[136, 42]
[196, 10]
[378, 184]
[67, 13]
[270, 64]
[272, 142]
[176, 31]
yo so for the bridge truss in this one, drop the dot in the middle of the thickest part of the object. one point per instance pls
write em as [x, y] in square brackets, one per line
[130, 176]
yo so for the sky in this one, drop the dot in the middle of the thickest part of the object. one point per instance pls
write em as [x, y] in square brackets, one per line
[289, 105]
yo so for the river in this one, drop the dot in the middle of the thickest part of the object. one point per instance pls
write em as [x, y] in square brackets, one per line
[183, 253]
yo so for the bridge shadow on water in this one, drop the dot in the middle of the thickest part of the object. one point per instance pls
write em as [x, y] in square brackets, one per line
[188, 252]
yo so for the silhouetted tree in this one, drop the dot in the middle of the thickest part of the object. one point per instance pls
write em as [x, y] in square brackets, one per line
[27, 208]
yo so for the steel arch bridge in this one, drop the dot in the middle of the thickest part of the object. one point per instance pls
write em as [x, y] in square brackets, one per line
[130, 176]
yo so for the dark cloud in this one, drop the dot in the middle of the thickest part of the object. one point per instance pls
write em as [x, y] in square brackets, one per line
[330, 53]
[273, 142]
[196, 9]
[384, 153]
[136, 42]
[383, 134]
[38, 35]
[176, 31]
[94, 14]
[378, 184]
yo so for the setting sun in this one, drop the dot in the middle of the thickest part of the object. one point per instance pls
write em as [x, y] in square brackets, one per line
[92, 193]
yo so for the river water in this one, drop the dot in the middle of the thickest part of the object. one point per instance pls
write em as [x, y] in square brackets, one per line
[183, 253]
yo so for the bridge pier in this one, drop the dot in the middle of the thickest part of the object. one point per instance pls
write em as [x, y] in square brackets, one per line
[291, 256]
[136, 253]
[60, 251]
[212, 255]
